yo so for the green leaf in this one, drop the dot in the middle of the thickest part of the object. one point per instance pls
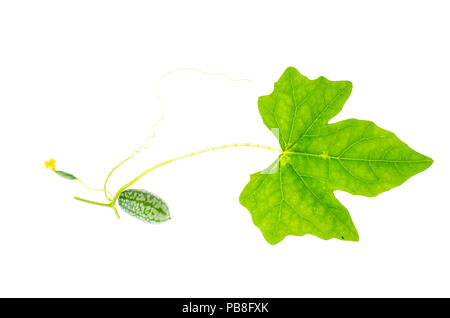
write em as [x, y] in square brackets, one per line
[294, 196]
[65, 175]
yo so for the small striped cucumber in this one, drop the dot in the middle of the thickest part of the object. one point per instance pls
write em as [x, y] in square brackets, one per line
[144, 205]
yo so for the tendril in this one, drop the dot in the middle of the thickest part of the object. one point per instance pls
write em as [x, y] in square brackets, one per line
[147, 139]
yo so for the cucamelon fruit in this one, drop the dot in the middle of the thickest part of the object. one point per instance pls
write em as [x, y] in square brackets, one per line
[144, 205]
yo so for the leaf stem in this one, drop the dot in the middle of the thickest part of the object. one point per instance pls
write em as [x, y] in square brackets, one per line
[188, 156]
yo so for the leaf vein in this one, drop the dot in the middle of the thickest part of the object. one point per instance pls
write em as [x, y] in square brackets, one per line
[340, 92]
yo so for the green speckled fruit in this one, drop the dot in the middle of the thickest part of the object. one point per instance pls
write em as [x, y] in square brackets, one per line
[144, 205]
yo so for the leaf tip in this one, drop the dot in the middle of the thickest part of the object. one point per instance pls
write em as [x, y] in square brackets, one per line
[272, 239]
[292, 72]
[291, 69]
[354, 238]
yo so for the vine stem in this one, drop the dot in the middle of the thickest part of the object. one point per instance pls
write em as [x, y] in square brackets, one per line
[112, 203]
[188, 156]
[108, 205]
[109, 175]
[93, 202]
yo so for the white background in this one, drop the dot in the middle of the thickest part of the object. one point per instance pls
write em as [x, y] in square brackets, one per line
[77, 83]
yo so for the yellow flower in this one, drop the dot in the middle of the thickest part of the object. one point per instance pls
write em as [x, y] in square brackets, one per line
[50, 164]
